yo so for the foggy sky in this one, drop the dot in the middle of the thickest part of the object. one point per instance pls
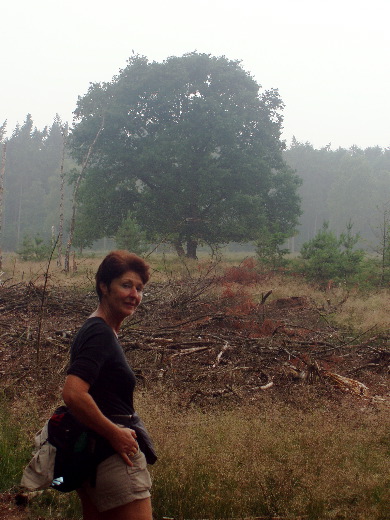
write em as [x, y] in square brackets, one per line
[329, 60]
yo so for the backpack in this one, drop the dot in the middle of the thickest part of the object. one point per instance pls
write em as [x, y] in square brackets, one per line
[64, 456]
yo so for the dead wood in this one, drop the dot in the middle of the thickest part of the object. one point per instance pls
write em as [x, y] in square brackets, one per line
[75, 194]
[220, 354]
[189, 351]
[264, 297]
[2, 174]
[203, 352]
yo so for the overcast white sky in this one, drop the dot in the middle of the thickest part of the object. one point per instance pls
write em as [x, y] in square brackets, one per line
[329, 59]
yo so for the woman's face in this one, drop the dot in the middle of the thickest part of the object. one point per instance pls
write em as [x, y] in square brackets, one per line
[124, 294]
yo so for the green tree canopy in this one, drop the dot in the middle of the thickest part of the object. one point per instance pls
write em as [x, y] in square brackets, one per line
[191, 147]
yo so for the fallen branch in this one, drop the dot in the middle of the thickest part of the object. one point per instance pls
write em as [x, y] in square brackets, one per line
[346, 384]
[364, 367]
[189, 351]
[220, 354]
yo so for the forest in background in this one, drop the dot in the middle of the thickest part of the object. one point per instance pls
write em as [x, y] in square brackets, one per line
[341, 186]
[338, 186]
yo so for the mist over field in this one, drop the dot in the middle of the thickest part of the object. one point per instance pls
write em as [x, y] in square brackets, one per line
[323, 110]
[328, 63]
[338, 186]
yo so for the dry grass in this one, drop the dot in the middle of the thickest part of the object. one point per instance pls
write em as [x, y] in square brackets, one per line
[163, 267]
[363, 312]
[360, 311]
[319, 462]
[306, 459]
[310, 458]
[16, 270]
[353, 309]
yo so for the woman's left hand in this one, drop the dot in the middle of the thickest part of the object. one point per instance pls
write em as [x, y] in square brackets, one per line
[124, 442]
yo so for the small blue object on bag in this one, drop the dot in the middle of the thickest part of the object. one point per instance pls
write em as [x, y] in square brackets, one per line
[64, 457]
[75, 457]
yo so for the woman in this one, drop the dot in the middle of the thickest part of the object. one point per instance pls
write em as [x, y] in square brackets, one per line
[100, 385]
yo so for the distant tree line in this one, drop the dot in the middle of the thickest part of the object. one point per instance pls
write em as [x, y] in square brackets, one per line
[188, 152]
[338, 186]
[32, 183]
[341, 186]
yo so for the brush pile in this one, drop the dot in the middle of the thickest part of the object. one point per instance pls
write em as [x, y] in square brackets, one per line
[203, 338]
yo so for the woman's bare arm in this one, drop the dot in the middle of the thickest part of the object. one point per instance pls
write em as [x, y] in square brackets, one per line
[84, 408]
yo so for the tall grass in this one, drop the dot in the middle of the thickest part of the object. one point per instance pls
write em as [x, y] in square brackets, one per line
[310, 459]
[313, 458]
[276, 460]
[15, 448]
[52, 505]
[364, 311]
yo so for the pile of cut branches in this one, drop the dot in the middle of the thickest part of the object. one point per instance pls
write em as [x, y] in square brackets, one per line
[205, 345]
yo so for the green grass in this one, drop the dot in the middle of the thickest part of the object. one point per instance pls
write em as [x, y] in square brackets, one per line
[15, 448]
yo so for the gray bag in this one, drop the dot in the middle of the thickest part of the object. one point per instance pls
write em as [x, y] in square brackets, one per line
[39, 473]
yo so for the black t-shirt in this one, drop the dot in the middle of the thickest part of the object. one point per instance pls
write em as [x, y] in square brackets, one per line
[97, 357]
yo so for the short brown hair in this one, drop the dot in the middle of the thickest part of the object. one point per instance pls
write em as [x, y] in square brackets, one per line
[117, 263]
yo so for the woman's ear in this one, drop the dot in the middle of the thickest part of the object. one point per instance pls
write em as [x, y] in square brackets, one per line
[103, 288]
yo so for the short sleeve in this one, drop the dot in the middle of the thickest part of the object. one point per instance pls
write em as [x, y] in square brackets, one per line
[90, 351]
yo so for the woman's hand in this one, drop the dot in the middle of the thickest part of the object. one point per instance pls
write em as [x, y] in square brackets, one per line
[124, 442]
[84, 408]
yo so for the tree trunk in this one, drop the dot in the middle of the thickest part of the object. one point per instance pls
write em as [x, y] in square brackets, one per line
[19, 213]
[179, 249]
[191, 249]
[74, 205]
[2, 174]
[385, 246]
[62, 187]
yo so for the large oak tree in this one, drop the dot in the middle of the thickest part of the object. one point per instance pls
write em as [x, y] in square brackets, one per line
[191, 147]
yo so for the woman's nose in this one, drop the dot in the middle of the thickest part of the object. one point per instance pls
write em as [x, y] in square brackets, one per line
[133, 292]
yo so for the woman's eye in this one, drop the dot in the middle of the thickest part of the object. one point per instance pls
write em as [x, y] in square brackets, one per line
[130, 286]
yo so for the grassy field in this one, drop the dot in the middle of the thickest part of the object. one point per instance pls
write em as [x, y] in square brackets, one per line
[307, 459]
[360, 310]
[298, 456]
[303, 459]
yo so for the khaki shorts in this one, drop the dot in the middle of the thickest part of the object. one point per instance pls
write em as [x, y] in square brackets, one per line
[117, 483]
